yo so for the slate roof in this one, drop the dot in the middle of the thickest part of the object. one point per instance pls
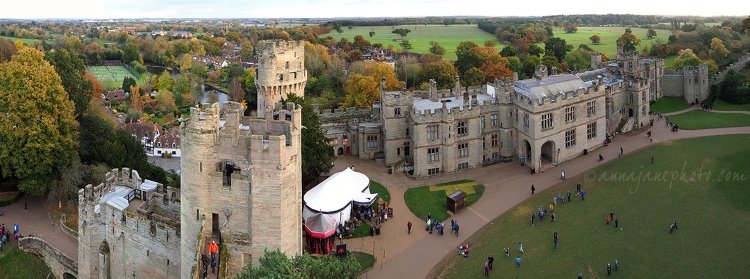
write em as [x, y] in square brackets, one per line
[549, 86]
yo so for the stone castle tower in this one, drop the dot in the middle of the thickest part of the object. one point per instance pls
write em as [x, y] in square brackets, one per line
[281, 70]
[241, 183]
[128, 228]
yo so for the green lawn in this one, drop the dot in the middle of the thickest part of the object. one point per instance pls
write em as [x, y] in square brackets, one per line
[722, 105]
[669, 104]
[699, 182]
[422, 201]
[699, 119]
[18, 264]
[365, 260]
[420, 36]
[24, 40]
[381, 190]
[111, 76]
[608, 38]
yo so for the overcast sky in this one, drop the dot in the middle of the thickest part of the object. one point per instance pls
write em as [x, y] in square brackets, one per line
[99, 9]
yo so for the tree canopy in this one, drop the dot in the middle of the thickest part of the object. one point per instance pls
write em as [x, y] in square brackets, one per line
[317, 155]
[557, 47]
[629, 42]
[274, 264]
[72, 73]
[443, 72]
[401, 32]
[38, 127]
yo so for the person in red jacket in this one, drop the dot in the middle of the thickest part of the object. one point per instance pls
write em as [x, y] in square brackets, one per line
[213, 248]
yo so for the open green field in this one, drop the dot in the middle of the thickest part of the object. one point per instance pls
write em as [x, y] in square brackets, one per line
[722, 105]
[24, 40]
[420, 36]
[700, 119]
[609, 36]
[111, 76]
[669, 104]
[699, 182]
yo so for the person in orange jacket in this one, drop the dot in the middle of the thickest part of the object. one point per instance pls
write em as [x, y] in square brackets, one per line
[213, 248]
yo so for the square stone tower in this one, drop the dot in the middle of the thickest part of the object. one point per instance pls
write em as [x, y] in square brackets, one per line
[241, 183]
[281, 70]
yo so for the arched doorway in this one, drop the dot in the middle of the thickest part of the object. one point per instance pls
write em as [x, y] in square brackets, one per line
[526, 153]
[348, 150]
[340, 151]
[406, 150]
[548, 152]
[69, 276]
[630, 112]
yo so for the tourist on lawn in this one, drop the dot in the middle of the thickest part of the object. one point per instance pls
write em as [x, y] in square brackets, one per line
[609, 269]
[553, 217]
[532, 218]
[616, 265]
[580, 276]
[486, 270]
[611, 215]
[616, 223]
[583, 194]
[578, 189]
[490, 259]
[507, 253]
[555, 242]
[518, 261]
[520, 247]
[569, 195]
[608, 219]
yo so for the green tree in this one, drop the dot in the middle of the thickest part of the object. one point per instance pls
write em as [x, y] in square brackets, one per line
[467, 56]
[246, 51]
[130, 53]
[317, 155]
[166, 82]
[437, 49]
[629, 42]
[275, 264]
[472, 77]
[577, 60]
[94, 133]
[401, 32]
[557, 47]
[650, 33]
[251, 91]
[745, 25]
[372, 33]
[72, 72]
[405, 45]
[443, 72]
[663, 50]
[127, 82]
[529, 65]
[38, 127]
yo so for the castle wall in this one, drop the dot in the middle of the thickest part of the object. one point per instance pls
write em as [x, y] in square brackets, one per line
[58, 262]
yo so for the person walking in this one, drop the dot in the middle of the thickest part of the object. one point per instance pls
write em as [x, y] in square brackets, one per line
[555, 242]
[486, 270]
[408, 227]
[562, 175]
[580, 276]
[582, 195]
[532, 218]
[520, 247]
[213, 248]
[616, 265]
[611, 215]
[621, 152]
[568, 195]
[553, 217]
[532, 189]
[652, 159]
[578, 188]
[609, 269]
[518, 261]
[490, 259]
[456, 229]
[507, 252]
[617, 223]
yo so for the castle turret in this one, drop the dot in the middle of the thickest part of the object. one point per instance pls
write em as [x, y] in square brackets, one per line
[281, 70]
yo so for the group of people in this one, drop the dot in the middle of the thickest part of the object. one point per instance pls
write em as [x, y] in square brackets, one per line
[432, 225]
[213, 249]
[611, 217]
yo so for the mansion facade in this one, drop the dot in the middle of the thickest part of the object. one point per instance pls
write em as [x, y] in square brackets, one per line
[539, 122]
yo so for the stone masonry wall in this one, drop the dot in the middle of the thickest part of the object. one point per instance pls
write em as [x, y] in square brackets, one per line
[58, 262]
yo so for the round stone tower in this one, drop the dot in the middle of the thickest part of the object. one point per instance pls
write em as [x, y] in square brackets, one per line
[199, 135]
[281, 70]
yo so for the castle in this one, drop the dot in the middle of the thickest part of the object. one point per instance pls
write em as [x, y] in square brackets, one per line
[540, 122]
[240, 186]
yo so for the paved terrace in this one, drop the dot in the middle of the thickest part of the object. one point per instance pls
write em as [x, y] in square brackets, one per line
[401, 255]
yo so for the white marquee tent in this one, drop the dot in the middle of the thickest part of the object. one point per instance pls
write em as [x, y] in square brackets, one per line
[335, 195]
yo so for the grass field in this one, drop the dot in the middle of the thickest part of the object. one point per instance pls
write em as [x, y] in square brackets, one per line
[432, 198]
[24, 40]
[609, 36]
[698, 182]
[699, 119]
[365, 260]
[669, 104]
[721, 105]
[111, 76]
[18, 264]
[382, 191]
[420, 36]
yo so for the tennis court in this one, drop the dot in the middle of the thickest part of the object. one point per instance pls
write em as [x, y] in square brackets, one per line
[111, 76]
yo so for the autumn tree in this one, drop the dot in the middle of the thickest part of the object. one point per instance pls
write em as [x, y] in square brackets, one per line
[317, 155]
[663, 50]
[136, 100]
[361, 91]
[38, 127]
[236, 93]
[686, 57]
[437, 49]
[71, 70]
[571, 28]
[745, 25]
[166, 82]
[7, 50]
[595, 39]
[629, 42]
[718, 50]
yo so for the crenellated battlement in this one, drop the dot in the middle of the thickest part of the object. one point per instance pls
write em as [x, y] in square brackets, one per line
[271, 48]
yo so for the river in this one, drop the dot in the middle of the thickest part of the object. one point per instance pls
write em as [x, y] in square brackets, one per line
[207, 90]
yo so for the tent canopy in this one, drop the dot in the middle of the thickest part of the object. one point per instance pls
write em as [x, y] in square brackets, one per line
[339, 191]
[320, 225]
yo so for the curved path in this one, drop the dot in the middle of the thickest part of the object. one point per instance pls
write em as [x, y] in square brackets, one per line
[32, 218]
[507, 184]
